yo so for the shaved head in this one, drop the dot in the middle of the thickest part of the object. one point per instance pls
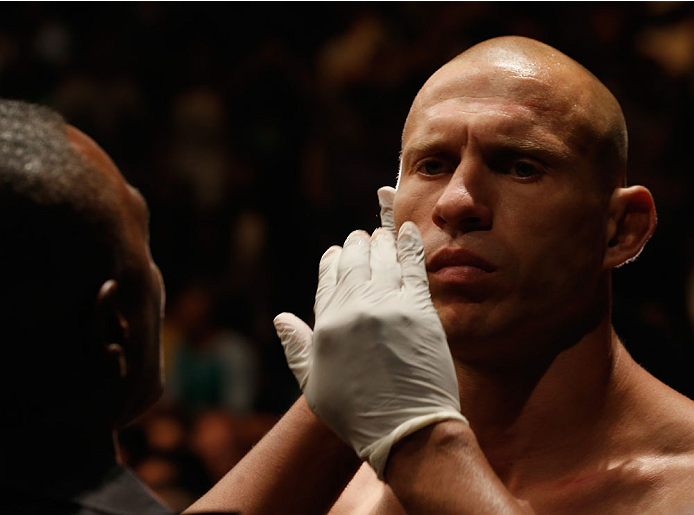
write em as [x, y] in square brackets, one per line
[545, 80]
[515, 153]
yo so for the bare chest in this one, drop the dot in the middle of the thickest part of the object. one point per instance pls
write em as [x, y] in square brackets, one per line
[646, 488]
[619, 491]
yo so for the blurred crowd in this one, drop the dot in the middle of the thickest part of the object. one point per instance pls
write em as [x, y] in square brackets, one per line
[259, 133]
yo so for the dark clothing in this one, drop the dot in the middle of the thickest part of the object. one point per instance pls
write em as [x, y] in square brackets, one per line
[117, 492]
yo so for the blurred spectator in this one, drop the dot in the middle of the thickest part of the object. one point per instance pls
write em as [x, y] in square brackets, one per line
[199, 153]
[207, 367]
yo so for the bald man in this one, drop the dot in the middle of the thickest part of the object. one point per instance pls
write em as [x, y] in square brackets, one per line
[513, 166]
[512, 207]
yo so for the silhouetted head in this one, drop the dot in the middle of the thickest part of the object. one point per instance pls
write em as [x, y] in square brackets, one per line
[80, 297]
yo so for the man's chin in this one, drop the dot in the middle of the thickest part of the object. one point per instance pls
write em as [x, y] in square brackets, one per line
[475, 329]
[462, 318]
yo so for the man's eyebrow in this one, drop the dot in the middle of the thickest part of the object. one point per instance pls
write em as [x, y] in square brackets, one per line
[545, 147]
[429, 146]
[548, 147]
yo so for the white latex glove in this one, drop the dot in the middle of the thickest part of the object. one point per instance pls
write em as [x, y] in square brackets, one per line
[378, 367]
[386, 197]
[295, 335]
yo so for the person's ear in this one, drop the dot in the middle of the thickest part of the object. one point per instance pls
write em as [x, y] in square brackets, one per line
[630, 224]
[112, 329]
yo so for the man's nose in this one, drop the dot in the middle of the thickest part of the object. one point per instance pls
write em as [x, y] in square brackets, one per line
[464, 203]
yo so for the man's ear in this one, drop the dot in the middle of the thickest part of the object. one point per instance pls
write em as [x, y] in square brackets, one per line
[111, 328]
[631, 223]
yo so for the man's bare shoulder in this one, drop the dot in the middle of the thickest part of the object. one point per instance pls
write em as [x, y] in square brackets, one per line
[649, 485]
[650, 468]
[665, 416]
[646, 485]
[669, 465]
[647, 466]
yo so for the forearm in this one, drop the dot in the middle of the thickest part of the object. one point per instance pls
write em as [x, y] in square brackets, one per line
[300, 466]
[441, 469]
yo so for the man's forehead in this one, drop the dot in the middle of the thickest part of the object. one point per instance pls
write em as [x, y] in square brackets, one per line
[501, 120]
[558, 101]
[518, 99]
[526, 71]
[535, 87]
[485, 82]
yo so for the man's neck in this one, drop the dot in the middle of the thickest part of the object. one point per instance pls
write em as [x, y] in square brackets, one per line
[523, 417]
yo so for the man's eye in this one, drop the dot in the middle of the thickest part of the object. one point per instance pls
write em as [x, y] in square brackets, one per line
[431, 168]
[524, 170]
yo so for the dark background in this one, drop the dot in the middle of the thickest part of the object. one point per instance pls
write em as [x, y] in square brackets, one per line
[259, 133]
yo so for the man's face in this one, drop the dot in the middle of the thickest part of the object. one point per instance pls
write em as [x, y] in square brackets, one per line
[148, 309]
[142, 280]
[495, 174]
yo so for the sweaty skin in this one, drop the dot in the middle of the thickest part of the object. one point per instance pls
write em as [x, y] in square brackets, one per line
[513, 164]
[513, 158]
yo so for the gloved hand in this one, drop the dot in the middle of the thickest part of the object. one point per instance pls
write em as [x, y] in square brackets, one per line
[386, 198]
[291, 328]
[378, 367]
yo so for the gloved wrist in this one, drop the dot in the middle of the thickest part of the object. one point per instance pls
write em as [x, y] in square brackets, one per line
[380, 363]
[378, 367]
[377, 453]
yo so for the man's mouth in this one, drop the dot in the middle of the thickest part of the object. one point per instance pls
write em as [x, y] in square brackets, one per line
[457, 257]
[458, 265]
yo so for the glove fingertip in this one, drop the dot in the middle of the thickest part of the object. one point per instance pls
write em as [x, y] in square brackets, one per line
[283, 323]
[386, 196]
[410, 230]
[296, 338]
[279, 319]
[291, 329]
[410, 244]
